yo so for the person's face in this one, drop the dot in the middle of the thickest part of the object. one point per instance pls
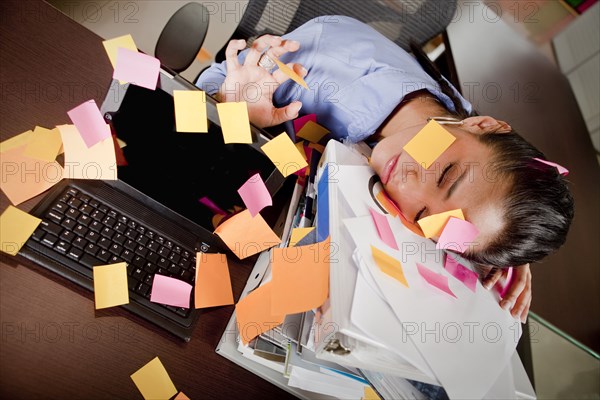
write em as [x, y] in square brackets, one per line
[460, 178]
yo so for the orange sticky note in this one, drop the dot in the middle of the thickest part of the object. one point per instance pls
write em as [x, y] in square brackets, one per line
[204, 56]
[312, 132]
[190, 111]
[153, 381]
[291, 73]
[82, 162]
[300, 277]
[429, 143]
[387, 203]
[284, 154]
[433, 225]
[298, 234]
[253, 313]
[213, 284]
[44, 144]
[24, 178]
[110, 285]
[245, 235]
[235, 123]
[181, 396]
[389, 265]
[16, 227]
[15, 141]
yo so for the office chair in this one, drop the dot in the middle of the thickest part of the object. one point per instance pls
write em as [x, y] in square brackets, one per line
[182, 37]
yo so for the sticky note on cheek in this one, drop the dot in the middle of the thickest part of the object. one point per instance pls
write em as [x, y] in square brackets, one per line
[429, 144]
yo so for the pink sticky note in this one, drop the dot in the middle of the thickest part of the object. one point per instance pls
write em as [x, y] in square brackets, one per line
[255, 194]
[300, 122]
[434, 279]
[137, 68]
[462, 273]
[457, 235]
[170, 291]
[212, 206]
[89, 122]
[508, 282]
[561, 170]
[383, 229]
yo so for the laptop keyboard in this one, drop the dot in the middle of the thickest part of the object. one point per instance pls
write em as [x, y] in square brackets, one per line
[91, 233]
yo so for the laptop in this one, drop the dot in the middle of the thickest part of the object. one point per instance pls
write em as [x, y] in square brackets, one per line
[151, 217]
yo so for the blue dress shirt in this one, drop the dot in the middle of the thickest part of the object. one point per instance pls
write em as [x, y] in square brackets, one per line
[356, 76]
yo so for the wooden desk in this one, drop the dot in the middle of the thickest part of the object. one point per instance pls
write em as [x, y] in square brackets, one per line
[54, 344]
[505, 76]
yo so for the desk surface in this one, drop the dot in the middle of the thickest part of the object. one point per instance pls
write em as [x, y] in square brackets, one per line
[54, 344]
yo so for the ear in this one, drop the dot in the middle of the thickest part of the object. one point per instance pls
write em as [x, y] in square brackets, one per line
[485, 124]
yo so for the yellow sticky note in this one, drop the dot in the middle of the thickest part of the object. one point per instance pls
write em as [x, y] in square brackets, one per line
[16, 227]
[312, 132]
[291, 73]
[429, 143]
[284, 154]
[44, 144]
[111, 46]
[433, 225]
[298, 234]
[190, 111]
[153, 381]
[246, 235]
[234, 122]
[300, 147]
[82, 162]
[370, 394]
[213, 284]
[389, 265]
[16, 141]
[110, 285]
[318, 147]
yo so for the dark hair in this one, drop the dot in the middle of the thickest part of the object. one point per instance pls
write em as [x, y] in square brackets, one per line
[539, 207]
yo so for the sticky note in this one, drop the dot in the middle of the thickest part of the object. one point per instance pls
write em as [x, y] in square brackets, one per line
[370, 394]
[137, 68]
[170, 291]
[15, 141]
[462, 273]
[24, 178]
[153, 381]
[300, 277]
[291, 73]
[429, 143]
[255, 194]
[284, 154]
[213, 284]
[387, 203]
[82, 162]
[253, 313]
[112, 45]
[246, 235]
[434, 279]
[16, 227]
[300, 147]
[235, 123]
[312, 132]
[119, 155]
[181, 396]
[389, 265]
[383, 229]
[44, 144]
[190, 111]
[503, 288]
[298, 234]
[433, 225]
[204, 56]
[301, 121]
[110, 285]
[457, 235]
[89, 122]
[561, 170]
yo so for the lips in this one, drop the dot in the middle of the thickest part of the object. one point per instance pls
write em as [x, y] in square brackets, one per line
[389, 168]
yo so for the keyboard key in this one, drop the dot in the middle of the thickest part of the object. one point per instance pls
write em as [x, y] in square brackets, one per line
[115, 249]
[143, 240]
[143, 289]
[153, 246]
[177, 249]
[168, 244]
[174, 269]
[185, 264]
[120, 227]
[81, 230]
[89, 261]
[72, 192]
[114, 260]
[150, 267]
[163, 263]
[92, 236]
[103, 255]
[91, 248]
[150, 234]
[74, 202]
[97, 215]
[38, 234]
[51, 227]
[148, 279]
[75, 253]
[118, 238]
[103, 208]
[139, 274]
[131, 234]
[96, 226]
[138, 261]
[127, 255]
[86, 209]
[132, 224]
[107, 232]
[49, 240]
[164, 252]
[130, 245]
[141, 229]
[67, 236]
[152, 257]
[112, 214]
[109, 221]
[80, 242]
[142, 251]
[131, 283]
[187, 276]
[72, 213]
[54, 216]
[94, 203]
[123, 220]
[85, 198]
[65, 198]
[84, 219]
[62, 247]
[104, 243]
[174, 257]
[69, 223]
[160, 239]
[185, 254]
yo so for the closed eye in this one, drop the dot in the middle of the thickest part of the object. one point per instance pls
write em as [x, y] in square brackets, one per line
[419, 214]
[444, 173]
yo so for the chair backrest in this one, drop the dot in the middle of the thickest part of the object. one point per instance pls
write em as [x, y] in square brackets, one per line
[182, 37]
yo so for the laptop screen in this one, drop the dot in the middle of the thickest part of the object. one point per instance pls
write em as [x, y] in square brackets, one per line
[178, 169]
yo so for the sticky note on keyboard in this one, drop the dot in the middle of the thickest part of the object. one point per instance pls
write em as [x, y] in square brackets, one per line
[153, 381]
[16, 227]
[434, 279]
[137, 68]
[255, 194]
[246, 235]
[253, 313]
[235, 123]
[389, 265]
[82, 162]
[110, 285]
[284, 154]
[44, 144]
[291, 73]
[312, 132]
[433, 225]
[89, 122]
[170, 291]
[213, 284]
[429, 144]
[190, 111]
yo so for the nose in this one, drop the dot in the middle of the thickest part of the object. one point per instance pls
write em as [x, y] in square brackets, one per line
[412, 190]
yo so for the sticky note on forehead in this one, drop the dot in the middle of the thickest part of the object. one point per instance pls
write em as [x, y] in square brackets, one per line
[434, 224]
[284, 154]
[429, 144]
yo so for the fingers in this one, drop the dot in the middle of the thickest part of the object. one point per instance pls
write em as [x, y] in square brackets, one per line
[231, 53]
[523, 301]
[283, 114]
[492, 277]
[281, 77]
[284, 47]
[259, 45]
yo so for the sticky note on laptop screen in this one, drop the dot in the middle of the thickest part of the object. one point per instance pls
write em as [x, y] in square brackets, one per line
[284, 154]
[190, 111]
[429, 144]
[235, 123]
